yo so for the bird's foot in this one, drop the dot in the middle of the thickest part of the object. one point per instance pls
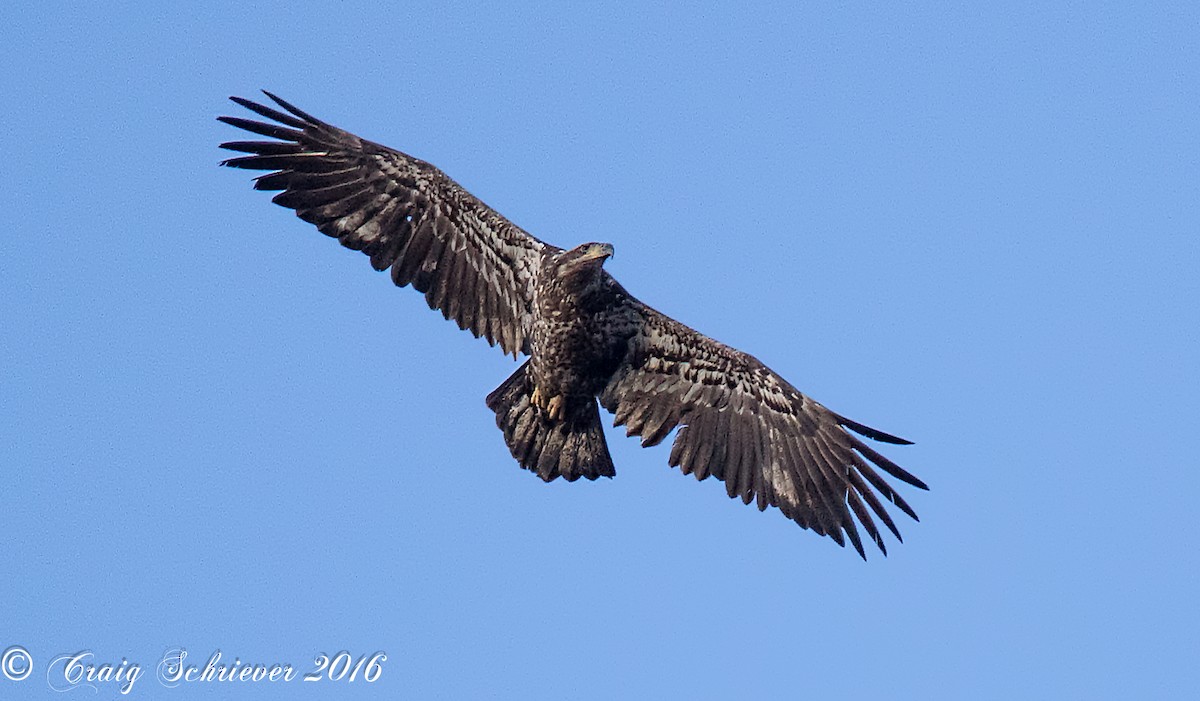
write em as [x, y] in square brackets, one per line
[553, 407]
[556, 407]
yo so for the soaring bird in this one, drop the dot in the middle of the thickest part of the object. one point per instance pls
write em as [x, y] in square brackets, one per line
[589, 342]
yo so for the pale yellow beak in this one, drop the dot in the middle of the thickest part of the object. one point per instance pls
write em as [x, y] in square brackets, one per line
[598, 250]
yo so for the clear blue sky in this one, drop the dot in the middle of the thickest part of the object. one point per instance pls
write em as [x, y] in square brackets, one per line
[974, 228]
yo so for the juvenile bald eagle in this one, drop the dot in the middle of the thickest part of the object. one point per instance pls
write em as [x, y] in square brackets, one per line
[586, 337]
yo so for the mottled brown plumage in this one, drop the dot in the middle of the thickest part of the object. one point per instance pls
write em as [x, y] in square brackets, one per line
[587, 338]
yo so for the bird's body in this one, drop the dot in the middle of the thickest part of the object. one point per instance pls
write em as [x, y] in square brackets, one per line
[581, 328]
[588, 340]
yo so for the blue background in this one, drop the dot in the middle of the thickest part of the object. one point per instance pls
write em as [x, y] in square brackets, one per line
[976, 228]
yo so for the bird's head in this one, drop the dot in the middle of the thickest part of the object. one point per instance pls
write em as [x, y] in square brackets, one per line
[584, 260]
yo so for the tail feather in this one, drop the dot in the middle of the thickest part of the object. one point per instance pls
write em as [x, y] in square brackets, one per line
[571, 448]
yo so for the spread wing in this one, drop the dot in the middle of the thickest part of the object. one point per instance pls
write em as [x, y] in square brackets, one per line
[472, 264]
[745, 425]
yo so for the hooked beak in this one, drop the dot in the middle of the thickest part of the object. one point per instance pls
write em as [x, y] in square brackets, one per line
[598, 250]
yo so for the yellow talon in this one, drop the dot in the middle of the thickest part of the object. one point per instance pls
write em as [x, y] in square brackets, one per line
[552, 407]
[556, 407]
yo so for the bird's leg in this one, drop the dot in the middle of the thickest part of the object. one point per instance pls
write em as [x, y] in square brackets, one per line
[556, 407]
[553, 407]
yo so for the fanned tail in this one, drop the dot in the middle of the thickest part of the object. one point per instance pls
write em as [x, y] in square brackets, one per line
[571, 448]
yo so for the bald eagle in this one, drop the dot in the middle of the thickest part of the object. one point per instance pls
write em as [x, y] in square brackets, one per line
[586, 338]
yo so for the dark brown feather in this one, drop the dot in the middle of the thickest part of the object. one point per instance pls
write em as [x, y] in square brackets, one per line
[403, 213]
[748, 427]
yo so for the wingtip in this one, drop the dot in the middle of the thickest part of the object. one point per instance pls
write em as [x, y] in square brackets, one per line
[292, 108]
[872, 433]
[918, 483]
[243, 102]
